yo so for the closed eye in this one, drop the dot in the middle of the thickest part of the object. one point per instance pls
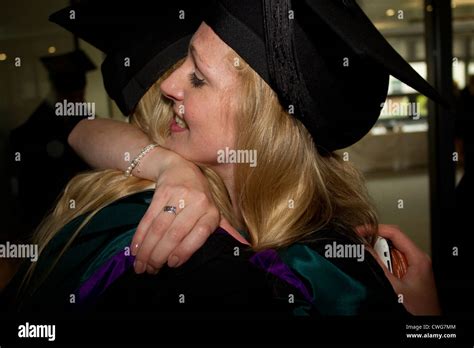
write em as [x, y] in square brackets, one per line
[195, 81]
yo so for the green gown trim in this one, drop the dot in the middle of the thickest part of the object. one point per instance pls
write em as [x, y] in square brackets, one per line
[334, 292]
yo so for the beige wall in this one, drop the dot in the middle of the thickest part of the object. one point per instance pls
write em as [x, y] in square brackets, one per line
[411, 186]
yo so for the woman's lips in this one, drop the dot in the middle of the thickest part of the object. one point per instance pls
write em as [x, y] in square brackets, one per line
[174, 126]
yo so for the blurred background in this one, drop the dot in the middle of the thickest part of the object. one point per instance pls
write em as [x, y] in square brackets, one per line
[394, 156]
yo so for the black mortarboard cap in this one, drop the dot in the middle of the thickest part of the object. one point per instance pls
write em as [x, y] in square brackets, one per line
[141, 40]
[324, 58]
[67, 71]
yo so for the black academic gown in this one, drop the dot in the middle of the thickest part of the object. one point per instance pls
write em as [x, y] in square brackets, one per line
[224, 276]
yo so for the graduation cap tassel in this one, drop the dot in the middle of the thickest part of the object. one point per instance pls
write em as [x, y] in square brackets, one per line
[281, 54]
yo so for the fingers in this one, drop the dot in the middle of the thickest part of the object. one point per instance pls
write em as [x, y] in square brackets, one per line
[402, 243]
[181, 226]
[152, 236]
[194, 240]
[159, 201]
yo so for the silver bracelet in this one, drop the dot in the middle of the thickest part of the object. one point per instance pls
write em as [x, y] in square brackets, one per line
[137, 159]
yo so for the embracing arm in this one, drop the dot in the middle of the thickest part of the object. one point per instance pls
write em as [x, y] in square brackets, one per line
[109, 144]
[160, 236]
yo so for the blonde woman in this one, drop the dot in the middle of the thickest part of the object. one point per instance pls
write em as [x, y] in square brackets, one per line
[297, 209]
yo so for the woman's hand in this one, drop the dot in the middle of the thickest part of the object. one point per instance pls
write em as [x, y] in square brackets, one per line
[418, 285]
[163, 236]
[160, 236]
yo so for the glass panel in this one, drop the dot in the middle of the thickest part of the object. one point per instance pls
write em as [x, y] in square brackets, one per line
[393, 168]
[420, 50]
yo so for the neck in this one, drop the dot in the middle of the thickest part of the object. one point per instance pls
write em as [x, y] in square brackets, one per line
[226, 172]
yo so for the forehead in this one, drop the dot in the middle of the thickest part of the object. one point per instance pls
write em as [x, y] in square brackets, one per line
[209, 48]
[205, 35]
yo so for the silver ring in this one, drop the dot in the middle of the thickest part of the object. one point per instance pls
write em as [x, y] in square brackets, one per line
[170, 209]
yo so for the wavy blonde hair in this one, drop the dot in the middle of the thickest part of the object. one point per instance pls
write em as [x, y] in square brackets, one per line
[291, 194]
[294, 191]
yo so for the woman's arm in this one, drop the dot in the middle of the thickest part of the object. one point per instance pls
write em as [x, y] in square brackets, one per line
[160, 236]
[109, 144]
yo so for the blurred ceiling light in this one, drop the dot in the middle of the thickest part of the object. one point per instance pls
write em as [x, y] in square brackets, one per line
[3, 56]
[51, 49]
[463, 2]
[390, 12]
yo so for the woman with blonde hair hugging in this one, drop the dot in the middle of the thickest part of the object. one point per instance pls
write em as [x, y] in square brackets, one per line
[240, 133]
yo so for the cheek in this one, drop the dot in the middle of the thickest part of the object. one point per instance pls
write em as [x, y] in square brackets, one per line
[211, 129]
[217, 124]
[205, 116]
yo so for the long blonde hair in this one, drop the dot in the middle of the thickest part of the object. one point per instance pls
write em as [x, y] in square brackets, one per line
[291, 194]
[294, 191]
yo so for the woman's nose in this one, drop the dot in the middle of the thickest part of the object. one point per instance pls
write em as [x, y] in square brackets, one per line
[172, 87]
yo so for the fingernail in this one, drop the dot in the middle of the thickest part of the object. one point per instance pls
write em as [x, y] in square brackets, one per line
[150, 270]
[174, 261]
[139, 267]
[135, 249]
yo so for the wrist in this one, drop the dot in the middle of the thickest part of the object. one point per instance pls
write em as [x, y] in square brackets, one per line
[171, 161]
[135, 163]
[148, 164]
[160, 159]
